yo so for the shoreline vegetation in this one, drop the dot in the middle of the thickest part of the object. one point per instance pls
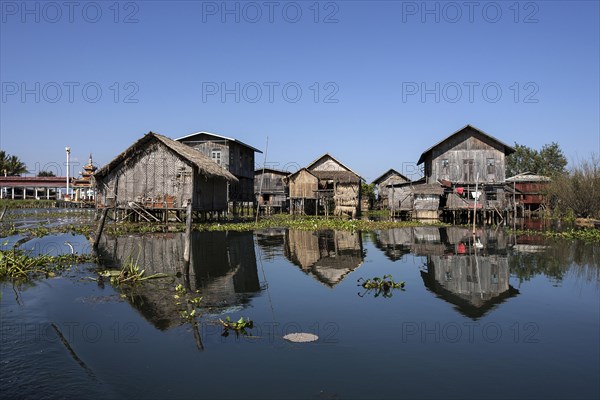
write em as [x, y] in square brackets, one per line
[18, 265]
[582, 229]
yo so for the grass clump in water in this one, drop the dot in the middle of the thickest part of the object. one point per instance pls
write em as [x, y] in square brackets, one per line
[18, 265]
[129, 274]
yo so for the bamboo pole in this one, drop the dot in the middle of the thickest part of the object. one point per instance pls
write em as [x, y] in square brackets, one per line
[262, 178]
[188, 233]
[475, 204]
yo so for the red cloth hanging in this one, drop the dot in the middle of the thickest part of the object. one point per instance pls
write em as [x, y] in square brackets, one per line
[460, 190]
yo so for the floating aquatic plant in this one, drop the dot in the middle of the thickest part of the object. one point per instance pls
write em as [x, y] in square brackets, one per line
[381, 286]
[239, 327]
[191, 303]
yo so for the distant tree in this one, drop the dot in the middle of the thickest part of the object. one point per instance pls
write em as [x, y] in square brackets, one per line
[11, 165]
[552, 161]
[578, 190]
[46, 173]
[367, 191]
[549, 161]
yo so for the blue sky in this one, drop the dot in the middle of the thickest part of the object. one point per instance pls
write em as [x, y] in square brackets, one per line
[372, 83]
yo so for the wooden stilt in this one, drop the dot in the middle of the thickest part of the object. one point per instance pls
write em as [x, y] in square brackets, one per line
[100, 229]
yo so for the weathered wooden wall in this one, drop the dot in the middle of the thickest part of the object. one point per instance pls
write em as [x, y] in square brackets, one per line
[303, 185]
[237, 159]
[157, 177]
[327, 164]
[400, 198]
[447, 161]
[382, 191]
[210, 194]
[274, 190]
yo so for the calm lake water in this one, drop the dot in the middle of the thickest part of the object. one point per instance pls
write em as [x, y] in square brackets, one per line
[518, 318]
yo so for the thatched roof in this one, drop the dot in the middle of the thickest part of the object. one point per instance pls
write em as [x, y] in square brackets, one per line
[507, 149]
[337, 176]
[428, 189]
[206, 166]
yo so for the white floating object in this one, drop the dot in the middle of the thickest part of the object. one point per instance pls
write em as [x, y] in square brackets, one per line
[301, 337]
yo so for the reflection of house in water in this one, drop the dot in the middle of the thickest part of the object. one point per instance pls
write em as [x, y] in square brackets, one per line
[271, 242]
[474, 280]
[328, 256]
[395, 243]
[222, 268]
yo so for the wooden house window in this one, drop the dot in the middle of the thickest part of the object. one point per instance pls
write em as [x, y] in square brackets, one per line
[468, 175]
[445, 166]
[491, 166]
[216, 156]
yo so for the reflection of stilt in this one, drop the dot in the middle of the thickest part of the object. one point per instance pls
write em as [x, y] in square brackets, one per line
[72, 352]
[477, 267]
[197, 337]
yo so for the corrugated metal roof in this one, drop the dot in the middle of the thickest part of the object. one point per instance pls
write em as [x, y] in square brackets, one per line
[528, 177]
[220, 137]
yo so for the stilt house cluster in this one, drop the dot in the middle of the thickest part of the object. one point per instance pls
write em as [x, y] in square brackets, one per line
[157, 177]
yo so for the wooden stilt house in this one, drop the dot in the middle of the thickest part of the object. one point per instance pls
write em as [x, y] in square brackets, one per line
[325, 185]
[467, 165]
[390, 177]
[271, 190]
[157, 176]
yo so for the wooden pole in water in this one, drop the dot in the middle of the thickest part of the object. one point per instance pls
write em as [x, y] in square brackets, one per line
[514, 205]
[262, 178]
[475, 204]
[188, 233]
[100, 228]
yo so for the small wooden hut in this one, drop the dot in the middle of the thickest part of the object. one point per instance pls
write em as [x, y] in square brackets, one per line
[418, 200]
[390, 177]
[157, 176]
[325, 184]
[271, 190]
